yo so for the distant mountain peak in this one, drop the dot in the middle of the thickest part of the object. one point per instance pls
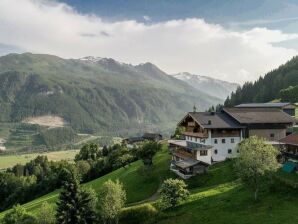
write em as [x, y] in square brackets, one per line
[211, 86]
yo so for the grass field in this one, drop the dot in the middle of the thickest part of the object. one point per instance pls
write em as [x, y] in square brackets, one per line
[11, 160]
[139, 184]
[217, 197]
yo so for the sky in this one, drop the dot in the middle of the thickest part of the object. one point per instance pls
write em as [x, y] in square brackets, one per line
[230, 40]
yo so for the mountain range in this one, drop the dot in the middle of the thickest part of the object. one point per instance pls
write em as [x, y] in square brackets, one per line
[95, 94]
[213, 87]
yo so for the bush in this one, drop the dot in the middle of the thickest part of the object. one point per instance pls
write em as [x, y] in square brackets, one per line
[138, 214]
[172, 192]
[18, 215]
[46, 214]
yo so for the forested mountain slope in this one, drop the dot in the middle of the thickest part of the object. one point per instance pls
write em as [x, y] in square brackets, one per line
[270, 87]
[94, 94]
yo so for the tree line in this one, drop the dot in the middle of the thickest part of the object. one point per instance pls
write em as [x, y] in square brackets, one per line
[274, 85]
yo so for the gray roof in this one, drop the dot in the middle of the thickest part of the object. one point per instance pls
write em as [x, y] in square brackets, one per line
[190, 145]
[263, 105]
[259, 115]
[186, 162]
[217, 120]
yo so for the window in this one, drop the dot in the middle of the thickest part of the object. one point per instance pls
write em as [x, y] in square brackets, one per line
[203, 153]
[223, 141]
[190, 138]
[229, 151]
[271, 135]
[203, 140]
[237, 150]
[215, 151]
[215, 141]
[232, 140]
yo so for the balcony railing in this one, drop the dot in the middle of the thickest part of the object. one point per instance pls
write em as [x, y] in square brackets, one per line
[194, 134]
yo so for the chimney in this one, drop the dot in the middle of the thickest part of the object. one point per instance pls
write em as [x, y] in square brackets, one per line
[209, 122]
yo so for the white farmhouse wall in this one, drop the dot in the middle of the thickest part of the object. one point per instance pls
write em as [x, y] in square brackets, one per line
[206, 159]
[222, 148]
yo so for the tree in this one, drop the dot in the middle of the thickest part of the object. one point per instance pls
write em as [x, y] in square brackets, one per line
[112, 198]
[178, 132]
[89, 152]
[83, 168]
[18, 215]
[172, 192]
[124, 160]
[257, 159]
[75, 205]
[46, 214]
[147, 152]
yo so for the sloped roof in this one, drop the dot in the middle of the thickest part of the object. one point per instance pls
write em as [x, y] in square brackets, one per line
[213, 120]
[190, 145]
[259, 115]
[263, 105]
[290, 139]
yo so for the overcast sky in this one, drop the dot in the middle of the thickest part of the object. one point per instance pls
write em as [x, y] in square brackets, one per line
[237, 49]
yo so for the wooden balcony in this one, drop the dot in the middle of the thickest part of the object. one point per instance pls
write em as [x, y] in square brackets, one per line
[196, 134]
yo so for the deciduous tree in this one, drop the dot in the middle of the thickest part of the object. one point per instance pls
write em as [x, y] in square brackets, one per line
[147, 152]
[112, 198]
[257, 159]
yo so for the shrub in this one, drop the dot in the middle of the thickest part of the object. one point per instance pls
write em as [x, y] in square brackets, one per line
[138, 214]
[46, 214]
[18, 215]
[172, 192]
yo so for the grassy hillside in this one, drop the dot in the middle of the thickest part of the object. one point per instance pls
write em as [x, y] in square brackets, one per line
[139, 184]
[216, 197]
[102, 96]
[268, 87]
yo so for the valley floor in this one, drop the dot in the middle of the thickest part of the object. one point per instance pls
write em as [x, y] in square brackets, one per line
[7, 161]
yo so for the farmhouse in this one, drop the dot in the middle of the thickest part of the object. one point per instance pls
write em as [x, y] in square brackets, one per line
[214, 136]
[288, 108]
[146, 137]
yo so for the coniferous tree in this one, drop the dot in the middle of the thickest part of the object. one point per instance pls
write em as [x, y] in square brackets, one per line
[75, 205]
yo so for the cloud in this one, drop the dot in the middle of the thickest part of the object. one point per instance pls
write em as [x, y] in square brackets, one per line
[263, 21]
[191, 44]
[147, 18]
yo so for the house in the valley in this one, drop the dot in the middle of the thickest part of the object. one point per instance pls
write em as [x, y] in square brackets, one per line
[214, 136]
[152, 136]
[138, 140]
